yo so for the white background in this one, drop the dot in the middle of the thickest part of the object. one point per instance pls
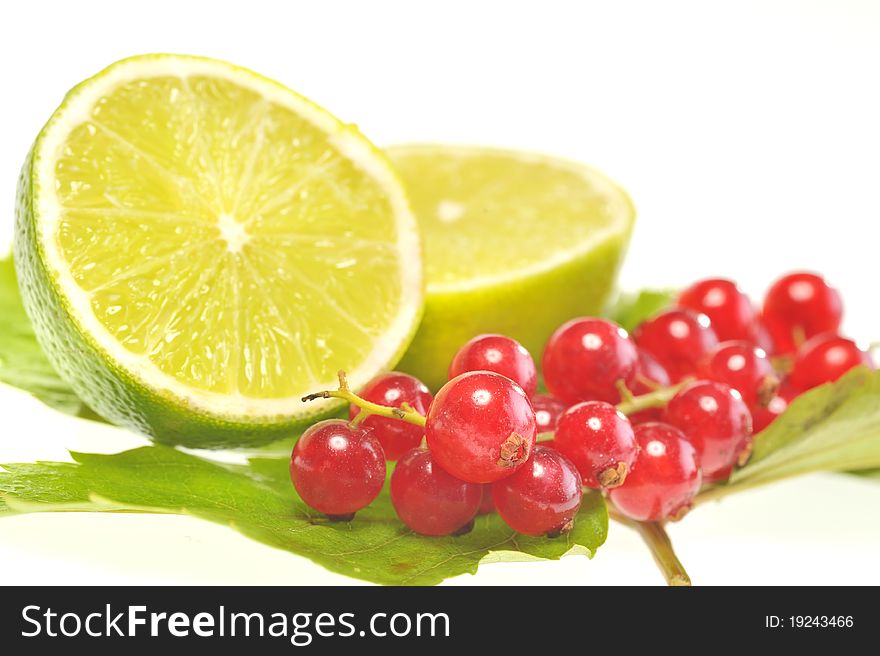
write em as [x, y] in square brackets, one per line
[748, 134]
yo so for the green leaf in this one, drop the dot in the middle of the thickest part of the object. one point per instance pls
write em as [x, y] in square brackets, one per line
[22, 363]
[835, 427]
[258, 500]
[632, 309]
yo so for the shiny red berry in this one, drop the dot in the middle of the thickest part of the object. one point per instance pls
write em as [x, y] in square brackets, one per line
[649, 375]
[716, 421]
[547, 412]
[745, 368]
[500, 354]
[678, 338]
[599, 440]
[481, 427]
[542, 497]
[394, 389]
[584, 359]
[729, 309]
[762, 417]
[825, 358]
[799, 306]
[429, 500]
[337, 469]
[665, 478]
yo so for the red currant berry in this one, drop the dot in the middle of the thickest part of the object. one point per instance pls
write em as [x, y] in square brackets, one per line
[392, 390]
[729, 309]
[716, 421]
[542, 497]
[336, 468]
[599, 440]
[825, 358]
[429, 500]
[584, 359]
[745, 368]
[481, 427]
[678, 338]
[487, 506]
[649, 375]
[547, 412]
[762, 417]
[799, 306]
[666, 476]
[500, 354]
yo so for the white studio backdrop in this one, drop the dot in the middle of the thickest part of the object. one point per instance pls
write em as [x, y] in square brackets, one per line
[746, 132]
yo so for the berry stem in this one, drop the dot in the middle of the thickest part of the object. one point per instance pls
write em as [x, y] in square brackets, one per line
[545, 437]
[367, 408]
[656, 399]
[631, 403]
[626, 395]
[658, 542]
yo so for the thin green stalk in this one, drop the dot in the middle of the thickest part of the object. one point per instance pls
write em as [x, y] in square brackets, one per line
[658, 542]
[656, 399]
[405, 413]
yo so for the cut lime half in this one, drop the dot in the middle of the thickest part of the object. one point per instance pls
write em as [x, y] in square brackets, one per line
[199, 247]
[515, 243]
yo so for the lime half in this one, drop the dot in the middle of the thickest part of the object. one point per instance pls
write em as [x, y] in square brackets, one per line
[515, 243]
[199, 247]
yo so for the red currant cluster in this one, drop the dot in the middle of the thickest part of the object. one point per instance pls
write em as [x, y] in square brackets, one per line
[791, 346]
[647, 419]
